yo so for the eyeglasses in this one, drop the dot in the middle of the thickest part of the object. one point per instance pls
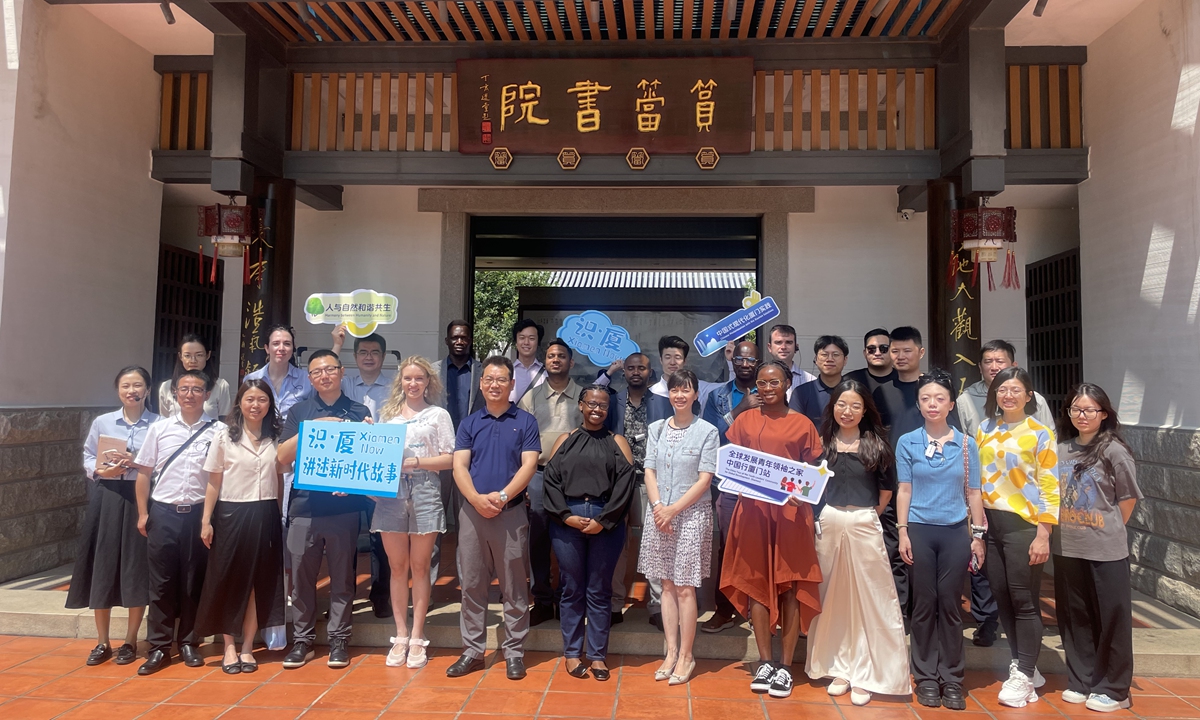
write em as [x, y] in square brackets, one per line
[878, 349]
[369, 353]
[194, 357]
[488, 382]
[1008, 392]
[856, 407]
[740, 360]
[1086, 413]
[772, 384]
[592, 405]
[830, 355]
[190, 391]
[330, 370]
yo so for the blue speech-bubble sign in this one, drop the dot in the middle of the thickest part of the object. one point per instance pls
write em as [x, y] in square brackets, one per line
[734, 325]
[593, 334]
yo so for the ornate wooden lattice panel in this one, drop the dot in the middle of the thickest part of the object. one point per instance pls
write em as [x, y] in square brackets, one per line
[1053, 326]
[185, 305]
[1044, 106]
[595, 20]
[184, 119]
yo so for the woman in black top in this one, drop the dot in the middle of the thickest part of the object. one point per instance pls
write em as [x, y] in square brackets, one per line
[589, 482]
[857, 592]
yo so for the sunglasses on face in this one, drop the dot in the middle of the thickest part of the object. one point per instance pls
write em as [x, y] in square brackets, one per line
[878, 349]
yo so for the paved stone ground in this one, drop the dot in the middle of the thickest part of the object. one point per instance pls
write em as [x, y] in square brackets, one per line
[46, 678]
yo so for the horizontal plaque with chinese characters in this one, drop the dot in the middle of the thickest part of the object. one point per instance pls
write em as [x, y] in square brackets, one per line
[606, 106]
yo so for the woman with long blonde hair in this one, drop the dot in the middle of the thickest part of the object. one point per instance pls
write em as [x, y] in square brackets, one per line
[410, 522]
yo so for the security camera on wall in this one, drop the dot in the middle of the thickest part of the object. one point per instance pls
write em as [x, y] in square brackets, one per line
[905, 215]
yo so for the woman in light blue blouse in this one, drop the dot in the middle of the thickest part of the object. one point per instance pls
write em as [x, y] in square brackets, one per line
[681, 457]
[937, 469]
[110, 566]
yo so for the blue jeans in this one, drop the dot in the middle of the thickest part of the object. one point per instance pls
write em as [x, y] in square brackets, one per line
[586, 564]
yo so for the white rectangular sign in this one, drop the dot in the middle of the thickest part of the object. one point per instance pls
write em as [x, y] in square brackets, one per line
[770, 478]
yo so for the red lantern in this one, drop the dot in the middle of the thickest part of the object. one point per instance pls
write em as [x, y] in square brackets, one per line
[984, 231]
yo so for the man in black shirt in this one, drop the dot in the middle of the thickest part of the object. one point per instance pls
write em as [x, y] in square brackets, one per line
[321, 523]
[879, 370]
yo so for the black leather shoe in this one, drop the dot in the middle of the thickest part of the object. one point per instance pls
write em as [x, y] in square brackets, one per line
[952, 697]
[985, 636]
[929, 694]
[382, 609]
[580, 671]
[300, 654]
[191, 656]
[233, 668]
[339, 654]
[465, 665]
[617, 617]
[126, 654]
[155, 660]
[600, 673]
[99, 654]
[656, 621]
[539, 614]
[514, 668]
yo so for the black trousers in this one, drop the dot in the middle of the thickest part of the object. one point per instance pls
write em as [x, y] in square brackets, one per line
[1096, 622]
[177, 560]
[1016, 585]
[941, 554]
[900, 569]
[983, 604]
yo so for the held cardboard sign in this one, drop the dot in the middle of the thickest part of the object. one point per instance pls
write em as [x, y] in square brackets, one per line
[756, 311]
[770, 478]
[354, 458]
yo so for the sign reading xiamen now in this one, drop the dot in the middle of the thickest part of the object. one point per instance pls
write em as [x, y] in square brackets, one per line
[606, 106]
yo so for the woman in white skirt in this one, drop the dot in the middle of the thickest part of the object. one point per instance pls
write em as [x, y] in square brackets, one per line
[681, 457]
[410, 522]
[858, 640]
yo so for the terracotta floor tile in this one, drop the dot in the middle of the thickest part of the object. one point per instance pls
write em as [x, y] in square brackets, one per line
[107, 711]
[1173, 707]
[542, 660]
[647, 685]
[433, 699]
[289, 695]
[245, 713]
[850, 712]
[1024, 713]
[178, 671]
[379, 675]
[724, 668]
[1141, 686]
[559, 704]
[504, 702]
[661, 709]
[8, 638]
[75, 648]
[1055, 700]
[47, 665]
[435, 677]
[12, 685]
[109, 670]
[8, 660]
[1185, 687]
[39, 645]
[325, 714]
[716, 686]
[534, 681]
[184, 712]
[990, 704]
[35, 708]
[712, 709]
[790, 711]
[74, 688]
[804, 690]
[353, 697]
[925, 713]
[212, 692]
[396, 713]
[563, 682]
[144, 690]
[316, 671]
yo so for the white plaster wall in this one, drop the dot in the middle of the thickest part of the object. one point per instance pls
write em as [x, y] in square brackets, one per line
[1138, 214]
[378, 241]
[81, 252]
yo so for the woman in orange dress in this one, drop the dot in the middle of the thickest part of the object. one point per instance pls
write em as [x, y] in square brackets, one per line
[770, 570]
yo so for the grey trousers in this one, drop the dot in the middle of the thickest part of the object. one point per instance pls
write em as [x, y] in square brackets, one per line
[493, 547]
[633, 543]
[335, 537]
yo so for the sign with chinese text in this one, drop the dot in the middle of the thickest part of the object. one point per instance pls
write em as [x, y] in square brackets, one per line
[605, 106]
[594, 335]
[770, 478]
[361, 310]
[756, 311]
[354, 458]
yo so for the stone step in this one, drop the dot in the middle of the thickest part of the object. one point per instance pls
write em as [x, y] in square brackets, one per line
[1157, 652]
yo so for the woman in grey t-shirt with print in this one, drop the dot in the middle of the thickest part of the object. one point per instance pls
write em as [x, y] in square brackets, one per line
[1091, 551]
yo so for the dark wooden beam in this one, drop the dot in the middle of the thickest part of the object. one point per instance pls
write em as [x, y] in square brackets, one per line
[1045, 54]
[182, 63]
[1063, 166]
[914, 198]
[181, 166]
[320, 197]
[249, 113]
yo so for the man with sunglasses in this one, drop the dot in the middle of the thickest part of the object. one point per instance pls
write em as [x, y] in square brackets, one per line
[555, 405]
[879, 370]
[321, 524]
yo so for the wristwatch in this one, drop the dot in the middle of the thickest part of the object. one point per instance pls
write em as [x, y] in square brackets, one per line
[503, 496]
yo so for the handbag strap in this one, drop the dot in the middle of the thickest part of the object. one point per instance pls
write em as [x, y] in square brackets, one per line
[533, 381]
[158, 473]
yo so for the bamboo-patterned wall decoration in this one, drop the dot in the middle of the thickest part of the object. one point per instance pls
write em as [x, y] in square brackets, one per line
[1044, 106]
[184, 121]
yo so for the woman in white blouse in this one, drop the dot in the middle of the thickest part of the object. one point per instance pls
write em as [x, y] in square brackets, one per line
[242, 527]
[193, 355]
[410, 522]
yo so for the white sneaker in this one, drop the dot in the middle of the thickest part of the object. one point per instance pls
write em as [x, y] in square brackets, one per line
[860, 697]
[399, 652]
[838, 687]
[1017, 690]
[1075, 698]
[1103, 703]
[1038, 680]
[417, 655]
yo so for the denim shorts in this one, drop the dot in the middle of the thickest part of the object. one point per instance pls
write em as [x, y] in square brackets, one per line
[416, 510]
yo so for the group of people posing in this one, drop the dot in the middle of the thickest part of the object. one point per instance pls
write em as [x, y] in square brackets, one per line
[930, 487]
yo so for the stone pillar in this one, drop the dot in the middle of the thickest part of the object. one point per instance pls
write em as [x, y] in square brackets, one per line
[954, 315]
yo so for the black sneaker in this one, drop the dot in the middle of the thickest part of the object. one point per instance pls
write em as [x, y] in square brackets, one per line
[300, 654]
[781, 683]
[339, 656]
[762, 678]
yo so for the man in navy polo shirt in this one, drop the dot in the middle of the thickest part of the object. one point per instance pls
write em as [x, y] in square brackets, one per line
[495, 455]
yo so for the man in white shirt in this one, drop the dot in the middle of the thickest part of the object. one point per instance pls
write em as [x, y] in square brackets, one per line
[781, 344]
[527, 371]
[368, 383]
[169, 516]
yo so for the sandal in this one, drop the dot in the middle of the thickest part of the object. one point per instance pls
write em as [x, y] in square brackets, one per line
[417, 656]
[397, 655]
